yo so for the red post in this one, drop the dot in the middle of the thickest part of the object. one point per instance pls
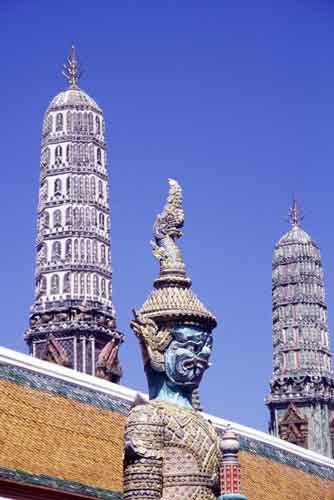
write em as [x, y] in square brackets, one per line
[229, 467]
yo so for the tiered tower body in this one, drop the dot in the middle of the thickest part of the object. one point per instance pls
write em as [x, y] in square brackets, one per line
[301, 402]
[73, 318]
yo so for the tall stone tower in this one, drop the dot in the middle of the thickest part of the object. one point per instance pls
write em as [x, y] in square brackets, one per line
[301, 402]
[72, 320]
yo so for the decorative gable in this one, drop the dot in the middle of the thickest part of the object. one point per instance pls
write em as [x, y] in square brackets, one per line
[294, 426]
[54, 352]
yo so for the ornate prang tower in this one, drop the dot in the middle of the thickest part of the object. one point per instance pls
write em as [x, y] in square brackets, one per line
[72, 321]
[301, 402]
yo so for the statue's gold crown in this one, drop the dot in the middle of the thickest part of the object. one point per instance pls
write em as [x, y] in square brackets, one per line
[172, 299]
[172, 303]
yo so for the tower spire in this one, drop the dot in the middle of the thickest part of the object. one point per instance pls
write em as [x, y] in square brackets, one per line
[72, 70]
[73, 321]
[295, 214]
[301, 400]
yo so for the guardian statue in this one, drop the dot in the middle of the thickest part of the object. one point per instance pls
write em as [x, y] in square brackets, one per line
[171, 451]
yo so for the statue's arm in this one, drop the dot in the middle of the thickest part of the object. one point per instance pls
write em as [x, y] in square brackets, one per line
[143, 454]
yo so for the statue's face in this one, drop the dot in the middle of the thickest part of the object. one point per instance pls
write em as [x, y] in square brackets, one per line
[187, 356]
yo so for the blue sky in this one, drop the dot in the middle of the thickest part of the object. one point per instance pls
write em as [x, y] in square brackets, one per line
[232, 98]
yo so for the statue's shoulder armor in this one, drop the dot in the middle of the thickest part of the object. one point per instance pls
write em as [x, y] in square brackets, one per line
[144, 432]
[145, 413]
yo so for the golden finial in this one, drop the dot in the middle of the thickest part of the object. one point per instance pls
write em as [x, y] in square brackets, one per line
[295, 214]
[72, 71]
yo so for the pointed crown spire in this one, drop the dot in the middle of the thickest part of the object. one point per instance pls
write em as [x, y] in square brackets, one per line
[172, 299]
[167, 229]
[295, 214]
[72, 70]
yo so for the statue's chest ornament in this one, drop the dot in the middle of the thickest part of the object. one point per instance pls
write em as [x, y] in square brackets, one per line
[191, 435]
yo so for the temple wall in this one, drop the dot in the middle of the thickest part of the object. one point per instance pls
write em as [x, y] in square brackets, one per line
[266, 479]
[63, 430]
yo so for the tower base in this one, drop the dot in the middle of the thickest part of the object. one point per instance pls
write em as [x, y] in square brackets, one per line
[80, 337]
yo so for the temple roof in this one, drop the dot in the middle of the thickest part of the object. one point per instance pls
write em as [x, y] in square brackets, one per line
[63, 430]
[73, 97]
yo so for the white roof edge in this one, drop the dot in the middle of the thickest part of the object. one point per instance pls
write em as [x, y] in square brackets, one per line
[10, 357]
[263, 437]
